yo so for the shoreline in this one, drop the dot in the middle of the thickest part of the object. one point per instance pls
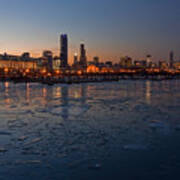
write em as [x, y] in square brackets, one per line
[66, 79]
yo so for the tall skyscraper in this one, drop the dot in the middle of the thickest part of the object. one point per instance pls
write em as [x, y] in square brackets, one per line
[64, 50]
[83, 58]
[75, 59]
[171, 59]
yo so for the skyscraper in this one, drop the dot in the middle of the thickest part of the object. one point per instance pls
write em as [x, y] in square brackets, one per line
[171, 59]
[64, 50]
[83, 58]
[75, 59]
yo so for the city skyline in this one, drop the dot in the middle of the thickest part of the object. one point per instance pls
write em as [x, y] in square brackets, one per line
[117, 29]
[63, 55]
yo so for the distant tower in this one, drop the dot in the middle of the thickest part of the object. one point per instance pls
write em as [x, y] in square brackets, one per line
[64, 50]
[75, 59]
[83, 58]
[171, 59]
[149, 60]
[96, 60]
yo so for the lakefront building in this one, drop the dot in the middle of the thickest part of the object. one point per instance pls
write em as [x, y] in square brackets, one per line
[18, 62]
[83, 58]
[64, 50]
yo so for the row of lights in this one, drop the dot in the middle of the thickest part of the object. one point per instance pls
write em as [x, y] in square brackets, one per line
[95, 70]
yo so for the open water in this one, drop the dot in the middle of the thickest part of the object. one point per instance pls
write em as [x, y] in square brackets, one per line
[119, 130]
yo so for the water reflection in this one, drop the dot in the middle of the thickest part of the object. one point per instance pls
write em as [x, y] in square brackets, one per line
[69, 107]
[6, 94]
[74, 124]
[72, 99]
[65, 102]
[148, 92]
[83, 94]
[28, 93]
[57, 92]
[63, 98]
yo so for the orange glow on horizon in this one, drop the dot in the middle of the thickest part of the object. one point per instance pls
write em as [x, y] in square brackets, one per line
[79, 72]
[27, 70]
[92, 69]
[58, 72]
[6, 70]
[44, 71]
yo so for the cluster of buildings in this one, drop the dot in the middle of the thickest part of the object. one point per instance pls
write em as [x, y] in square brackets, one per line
[47, 60]
[127, 62]
[51, 63]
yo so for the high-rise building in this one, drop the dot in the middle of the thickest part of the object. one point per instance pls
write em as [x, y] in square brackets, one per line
[75, 59]
[48, 56]
[125, 62]
[96, 60]
[163, 64]
[149, 60]
[64, 50]
[171, 59]
[83, 58]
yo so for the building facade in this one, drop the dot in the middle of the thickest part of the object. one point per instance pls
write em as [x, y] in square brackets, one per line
[64, 50]
[83, 58]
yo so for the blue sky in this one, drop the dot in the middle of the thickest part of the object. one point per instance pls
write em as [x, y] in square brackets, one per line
[109, 28]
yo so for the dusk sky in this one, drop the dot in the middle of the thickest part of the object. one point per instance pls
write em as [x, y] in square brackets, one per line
[109, 28]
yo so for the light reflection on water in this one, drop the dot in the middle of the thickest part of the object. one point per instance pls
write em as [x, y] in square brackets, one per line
[72, 100]
[86, 120]
[147, 92]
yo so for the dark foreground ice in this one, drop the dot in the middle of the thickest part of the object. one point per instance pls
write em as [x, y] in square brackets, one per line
[122, 130]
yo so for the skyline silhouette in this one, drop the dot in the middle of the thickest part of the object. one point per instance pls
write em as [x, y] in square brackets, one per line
[110, 29]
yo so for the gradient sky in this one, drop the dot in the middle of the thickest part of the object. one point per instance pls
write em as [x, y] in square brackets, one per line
[109, 28]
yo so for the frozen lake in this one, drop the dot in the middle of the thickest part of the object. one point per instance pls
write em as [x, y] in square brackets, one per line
[120, 130]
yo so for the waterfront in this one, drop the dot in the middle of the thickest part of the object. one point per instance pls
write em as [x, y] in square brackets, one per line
[126, 129]
[75, 78]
